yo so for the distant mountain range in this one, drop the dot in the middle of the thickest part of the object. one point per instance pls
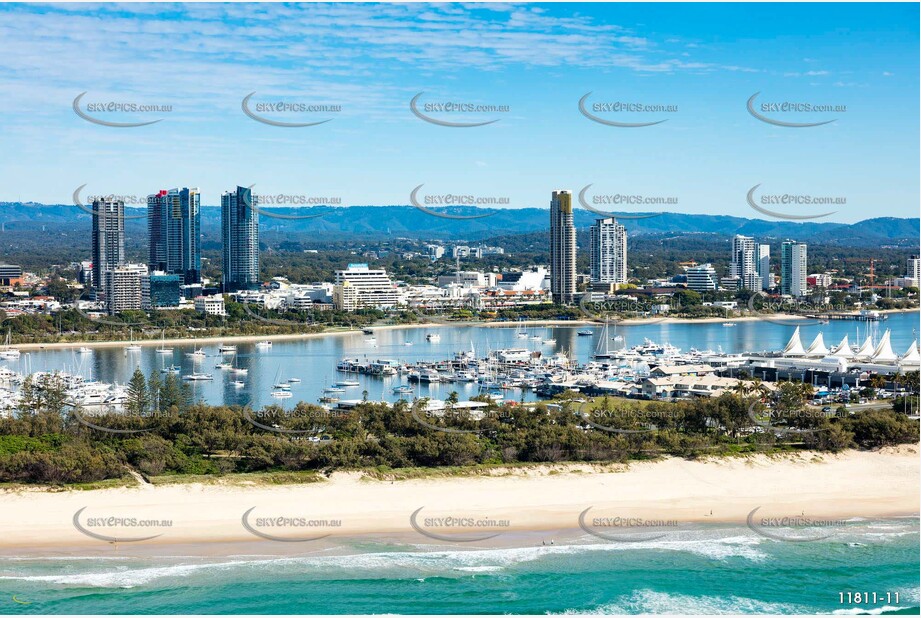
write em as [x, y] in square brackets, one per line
[407, 221]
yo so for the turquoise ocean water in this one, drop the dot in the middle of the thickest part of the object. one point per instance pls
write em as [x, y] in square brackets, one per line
[708, 569]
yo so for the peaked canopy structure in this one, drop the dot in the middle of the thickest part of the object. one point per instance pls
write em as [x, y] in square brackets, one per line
[866, 350]
[883, 352]
[843, 349]
[817, 347]
[794, 347]
[912, 355]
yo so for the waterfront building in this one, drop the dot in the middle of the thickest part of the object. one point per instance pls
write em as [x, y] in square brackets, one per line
[210, 305]
[174, 229]
[701, 278]
[125, 287]
[562, 248]
[520, 280]
[108, 239]
[165, 290]
[793, 268]
[764, 267]
[240, 240]
[744, 264]
[360, 286]
[608, 249]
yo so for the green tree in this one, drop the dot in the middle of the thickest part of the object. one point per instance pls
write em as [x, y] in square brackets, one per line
[138, 399]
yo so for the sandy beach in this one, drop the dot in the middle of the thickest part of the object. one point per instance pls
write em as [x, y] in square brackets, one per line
[862, 484]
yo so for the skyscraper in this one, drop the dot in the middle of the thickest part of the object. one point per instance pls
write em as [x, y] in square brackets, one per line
[108, 239]
[608, 251]
[240, 240]
[562, 248]
[793, 268]
[174, 225]
[764, 267]
[743, 262]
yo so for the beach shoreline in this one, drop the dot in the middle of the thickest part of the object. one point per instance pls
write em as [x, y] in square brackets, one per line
[546, 499]
[244, 339]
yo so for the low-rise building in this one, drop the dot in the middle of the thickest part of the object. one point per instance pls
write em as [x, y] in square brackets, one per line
[210, 305]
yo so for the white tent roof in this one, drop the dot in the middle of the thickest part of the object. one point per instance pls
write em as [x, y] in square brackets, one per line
[912, 355]
[843, 350]
[817, 347]
[866, 350]
[884, 351]
[794, 347]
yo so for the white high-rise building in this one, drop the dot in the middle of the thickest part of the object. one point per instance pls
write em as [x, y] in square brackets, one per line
[793, 271]
[701, 278]
[125, 288]
[743, 263]
[359, 286]
[764, 267]
[914, 269]
[562, 248]
[608, 251]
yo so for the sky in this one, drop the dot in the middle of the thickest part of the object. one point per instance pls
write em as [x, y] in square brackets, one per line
[699, 63]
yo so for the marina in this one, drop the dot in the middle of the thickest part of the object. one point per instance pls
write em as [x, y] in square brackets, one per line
[476, 360]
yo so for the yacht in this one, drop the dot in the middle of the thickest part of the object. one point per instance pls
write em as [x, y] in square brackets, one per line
[407, 343]
[163, 349]
[433, 337]
[238, 384]
[550, 341]
[333, 389]
[171, 369]
[199, 353]
[281, 394]
[347, 383]
[264, 344]
[9, 353]
[227, 349]
[585, 333]
[223, 366]
[294, 380]
[729, 323]
[85, 350]
[132, 347]
[403, 390]
[198, 377]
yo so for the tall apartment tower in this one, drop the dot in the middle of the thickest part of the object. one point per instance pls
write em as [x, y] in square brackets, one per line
[562, 248]
[793, 268]
[240, 240]
[764, 267]
[608, 251]
[108, 240]
[174, 226]
[743, 263]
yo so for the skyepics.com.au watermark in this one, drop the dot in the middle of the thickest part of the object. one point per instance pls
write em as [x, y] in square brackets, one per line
[792, 528]
[457, 527]
[461, 420]
[118, 420]
[131, 201]
[617, 113]
[272, 112]
[424, 202]
[782, 113]
[790, 311]
[625, 419]
[301, 420]
[615, 309]
[792, 202]
[120, 528]
[295, 199]
[288, 528]
[114, 113]
[781, 422]
[596, 201]
[625, 528]
[437, 112]
[287, 206]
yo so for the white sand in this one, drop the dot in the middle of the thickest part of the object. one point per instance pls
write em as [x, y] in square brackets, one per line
[853, 484]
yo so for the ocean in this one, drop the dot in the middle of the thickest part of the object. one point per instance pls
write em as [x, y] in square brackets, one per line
[711, 569]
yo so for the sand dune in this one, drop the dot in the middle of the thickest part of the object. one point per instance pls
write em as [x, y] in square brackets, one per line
[853, 484]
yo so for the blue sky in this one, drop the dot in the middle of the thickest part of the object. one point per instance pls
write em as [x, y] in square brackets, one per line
[538, 59]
